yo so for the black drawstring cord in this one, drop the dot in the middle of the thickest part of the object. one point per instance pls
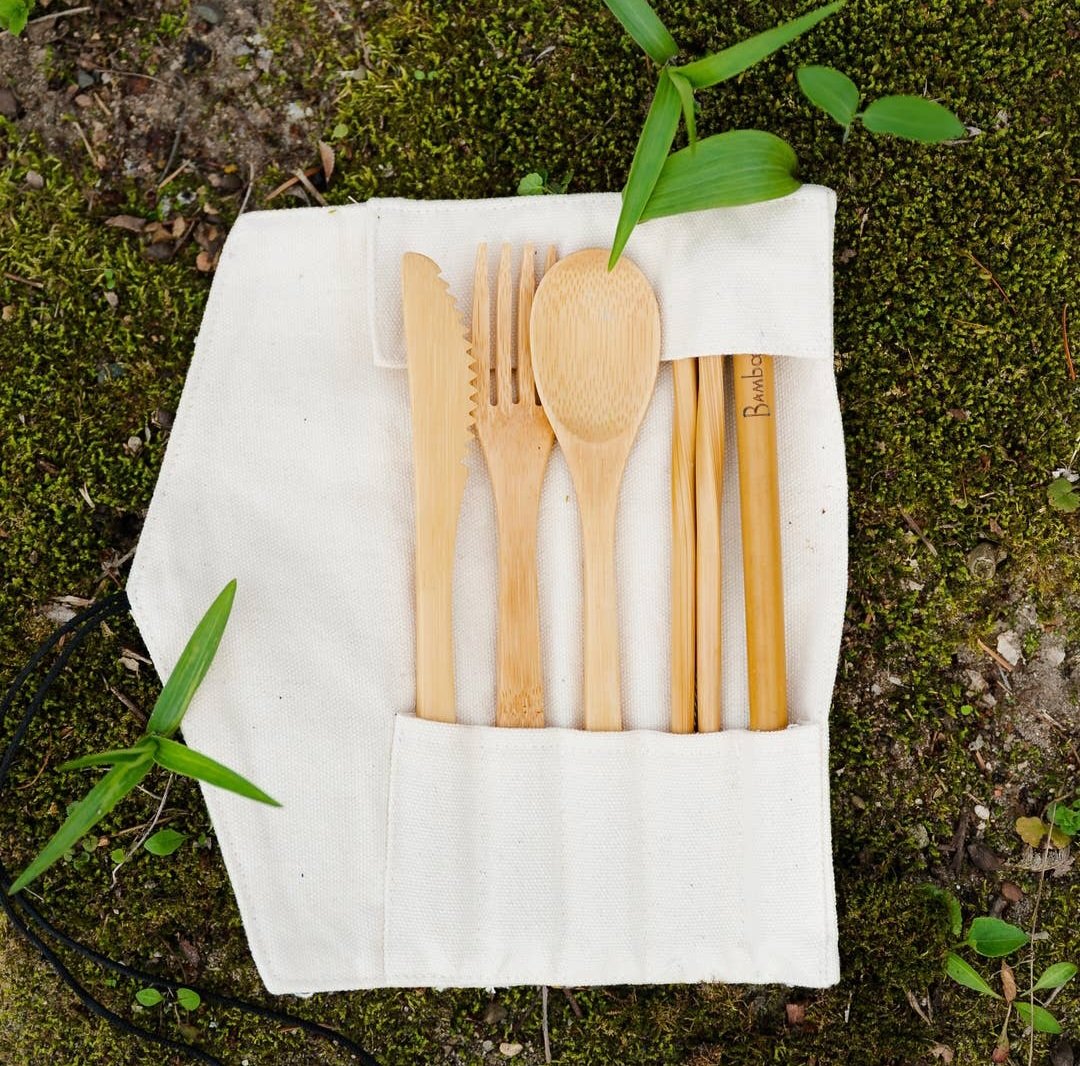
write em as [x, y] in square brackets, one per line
[82, 625]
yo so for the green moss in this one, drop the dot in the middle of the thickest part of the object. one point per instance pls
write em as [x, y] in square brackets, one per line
[957, 408]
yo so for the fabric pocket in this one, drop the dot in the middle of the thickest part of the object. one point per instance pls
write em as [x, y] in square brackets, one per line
[564, 857]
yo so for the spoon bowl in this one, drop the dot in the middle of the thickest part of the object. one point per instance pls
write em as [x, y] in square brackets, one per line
[596, 350]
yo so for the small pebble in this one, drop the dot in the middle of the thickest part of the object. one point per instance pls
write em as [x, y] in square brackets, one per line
[134, 444]
[210, 12]
[1012, 891]
[84, 79]
[9, 104]
[510, 1050]
[35, 181]
[494, 1014]
[160, 252]
[487, 1045]
[112, 300]
[982, 813]
[1008, 647]
[983, 858]
[982, 561]
[1062, 1055]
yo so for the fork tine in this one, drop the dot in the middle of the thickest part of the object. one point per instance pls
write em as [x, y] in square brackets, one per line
[504, 384]
[526, 380]
[481, 328]
[526, 287]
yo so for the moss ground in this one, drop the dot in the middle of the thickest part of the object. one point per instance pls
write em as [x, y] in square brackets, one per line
[953, 267]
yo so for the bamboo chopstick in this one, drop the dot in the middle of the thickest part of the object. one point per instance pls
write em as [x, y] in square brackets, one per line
[709, 479]
[683, 537]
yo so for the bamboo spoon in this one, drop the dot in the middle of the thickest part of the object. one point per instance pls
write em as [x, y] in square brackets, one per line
[759, 503]
[683, 536]
[596, 352]
[710, 481]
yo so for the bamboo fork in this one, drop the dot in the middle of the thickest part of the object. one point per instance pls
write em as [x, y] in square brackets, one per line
[516, 439]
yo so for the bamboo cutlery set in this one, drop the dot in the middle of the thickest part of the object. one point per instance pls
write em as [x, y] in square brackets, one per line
[579, 366]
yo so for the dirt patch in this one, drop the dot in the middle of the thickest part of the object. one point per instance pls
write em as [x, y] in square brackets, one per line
[138, 91]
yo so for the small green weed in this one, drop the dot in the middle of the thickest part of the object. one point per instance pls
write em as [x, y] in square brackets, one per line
[538, 183]
[1062, 495]
[993, 938]
[128, 766]
[14, 14]
[740, 166]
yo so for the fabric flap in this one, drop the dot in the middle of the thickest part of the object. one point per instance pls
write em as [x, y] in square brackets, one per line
[754, 279]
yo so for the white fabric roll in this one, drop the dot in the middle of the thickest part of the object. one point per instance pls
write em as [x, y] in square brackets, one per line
[417, 853]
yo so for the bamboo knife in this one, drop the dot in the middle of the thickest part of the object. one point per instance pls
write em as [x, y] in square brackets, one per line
[442, 394]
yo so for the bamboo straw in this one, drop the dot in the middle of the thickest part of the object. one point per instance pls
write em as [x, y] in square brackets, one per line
[759, 502]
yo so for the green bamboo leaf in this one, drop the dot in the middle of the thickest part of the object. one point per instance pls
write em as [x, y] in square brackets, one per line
[686, 97]
[1039, 1018]
[727, 169]
[914, 118]
[963, 973]
[652, 149]
[993, 938]
[1055, 976]
[192, 665]
[164, 842]
[110, 758]
[180, 759]
[101, 799]
[644, 25]
[831, 90]
[734, 60]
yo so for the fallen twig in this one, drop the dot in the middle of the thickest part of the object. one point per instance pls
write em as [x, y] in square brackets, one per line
[1065, 340]
[990, 275]
[303, 179]
[547, 1036]
[59, 15]
[23, 281]
[132, 74]
[917, 530]
[247, 192]
[179, 170]
[86, 144]
[180, 120]
[147, 830]
[999, 659]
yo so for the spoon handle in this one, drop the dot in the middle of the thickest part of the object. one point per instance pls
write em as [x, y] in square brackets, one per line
[759, 504]
[603, 710]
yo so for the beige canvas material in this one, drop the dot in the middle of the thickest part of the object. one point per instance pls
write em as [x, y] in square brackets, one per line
[418, 853]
